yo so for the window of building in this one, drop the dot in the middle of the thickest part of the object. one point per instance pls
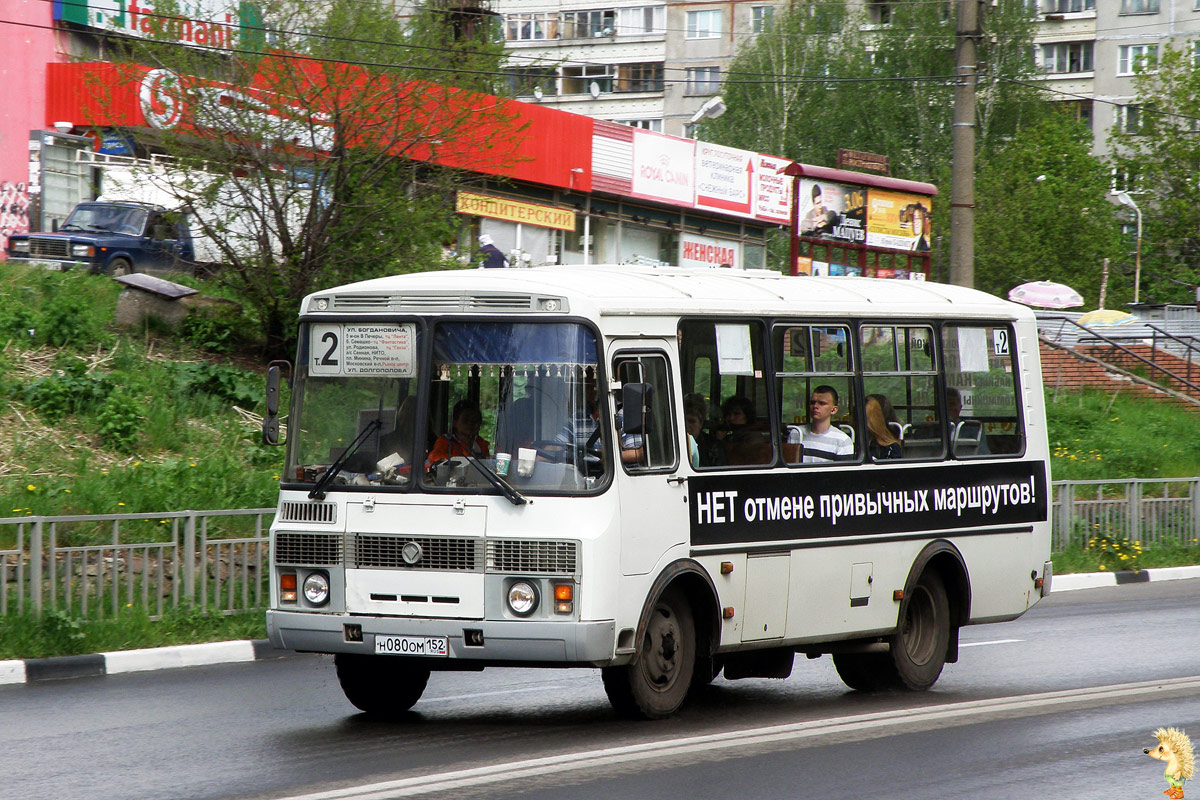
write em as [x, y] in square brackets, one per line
[641, 20]
[1129, 119]
[761, 18]
[530, 27]
[1139, 6]
[704, 24]
[655, 125]
[879, 13]
[589, 24]
[1066, 57]
[1132, 56]
[526, 80]
[579, 80]
[640, 77]
[1078, 110]
[703, 80]
[1071, 6]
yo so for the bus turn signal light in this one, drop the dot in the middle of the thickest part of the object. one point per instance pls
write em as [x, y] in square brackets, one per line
[564, 595]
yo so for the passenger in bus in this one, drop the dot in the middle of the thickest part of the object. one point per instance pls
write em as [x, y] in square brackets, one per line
[822, 441]
[743, 441]
[463, 438]
[881, 442]
[954, 412]
[631, 443]
[709, 451]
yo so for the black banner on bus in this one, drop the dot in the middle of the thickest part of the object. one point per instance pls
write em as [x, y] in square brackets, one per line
[823, 502]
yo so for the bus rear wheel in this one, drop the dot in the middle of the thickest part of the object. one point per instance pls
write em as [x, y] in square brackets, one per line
[917, 651]
[655, 685]
[381, 686]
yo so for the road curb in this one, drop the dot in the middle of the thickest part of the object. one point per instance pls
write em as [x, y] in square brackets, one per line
[1095, 580]
[31, 670]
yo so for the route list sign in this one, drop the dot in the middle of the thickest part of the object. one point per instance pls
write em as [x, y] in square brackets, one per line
[363, 349]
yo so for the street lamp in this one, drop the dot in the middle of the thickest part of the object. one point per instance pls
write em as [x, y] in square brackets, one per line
[1124, 199]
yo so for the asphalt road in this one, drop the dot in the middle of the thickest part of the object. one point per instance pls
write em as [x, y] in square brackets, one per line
[281, 728]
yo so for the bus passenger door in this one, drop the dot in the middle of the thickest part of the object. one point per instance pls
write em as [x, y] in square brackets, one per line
[653, 509]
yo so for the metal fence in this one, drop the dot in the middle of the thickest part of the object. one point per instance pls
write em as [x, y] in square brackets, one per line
[1153, 511]
[93, 566]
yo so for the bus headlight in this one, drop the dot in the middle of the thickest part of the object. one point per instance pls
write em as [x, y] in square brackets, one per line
[522, 598]
[316, 588]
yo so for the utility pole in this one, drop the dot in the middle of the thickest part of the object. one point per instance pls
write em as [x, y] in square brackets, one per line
[962, 137]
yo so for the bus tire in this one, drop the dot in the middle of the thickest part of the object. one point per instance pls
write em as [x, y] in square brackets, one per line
[918, 648]
[655, 685]
[381, 686]
[864, 672]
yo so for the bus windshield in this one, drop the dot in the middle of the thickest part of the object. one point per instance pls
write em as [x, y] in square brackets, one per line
[514, 399]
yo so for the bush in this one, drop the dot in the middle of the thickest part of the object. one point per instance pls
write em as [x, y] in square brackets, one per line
[70, 390]
[119, 421]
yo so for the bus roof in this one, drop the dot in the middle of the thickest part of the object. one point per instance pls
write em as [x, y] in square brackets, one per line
[628, 289]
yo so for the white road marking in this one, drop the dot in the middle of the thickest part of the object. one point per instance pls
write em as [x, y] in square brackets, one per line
[967, 713]
[497, 693]
[994, 641]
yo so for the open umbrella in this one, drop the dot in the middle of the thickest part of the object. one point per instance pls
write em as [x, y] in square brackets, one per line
[1106, 318]
[1045, 294]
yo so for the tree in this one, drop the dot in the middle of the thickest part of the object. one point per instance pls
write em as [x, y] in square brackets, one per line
[826, 77]
[1157, 151]
[328, 156]
[1044, 214]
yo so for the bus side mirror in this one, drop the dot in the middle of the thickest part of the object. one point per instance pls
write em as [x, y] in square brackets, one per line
[635, 405]
[270, 423]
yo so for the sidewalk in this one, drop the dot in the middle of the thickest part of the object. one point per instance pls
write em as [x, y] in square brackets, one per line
[194, 655]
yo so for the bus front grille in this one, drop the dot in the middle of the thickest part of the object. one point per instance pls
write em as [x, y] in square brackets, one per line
[307, 512]
[309, 549]
[528, 556]
[452, 554]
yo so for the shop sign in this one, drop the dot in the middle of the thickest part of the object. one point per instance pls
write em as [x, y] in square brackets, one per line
[481, 205]
[203, 23]
[773, 195]
[833, 211]
[724, 178]
[898, 221]
[663, 168]
[705, 251]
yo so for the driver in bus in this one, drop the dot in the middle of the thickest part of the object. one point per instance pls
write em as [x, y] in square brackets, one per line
[463, 439]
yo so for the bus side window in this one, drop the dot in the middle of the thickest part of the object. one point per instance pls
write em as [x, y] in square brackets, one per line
[815, 359]
[731, 354]
[900, 371]
[645, 426]
[982, 397]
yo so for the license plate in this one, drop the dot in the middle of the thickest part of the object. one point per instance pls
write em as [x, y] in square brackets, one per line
[412, 646]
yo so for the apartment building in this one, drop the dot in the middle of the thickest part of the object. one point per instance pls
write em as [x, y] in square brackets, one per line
[650, 65]
[1090, 50]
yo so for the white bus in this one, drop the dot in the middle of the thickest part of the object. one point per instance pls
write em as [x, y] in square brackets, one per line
[664, 473]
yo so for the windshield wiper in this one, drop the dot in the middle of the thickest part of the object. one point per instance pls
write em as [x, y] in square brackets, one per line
[70, 226]
[339, 462]
[506, 489]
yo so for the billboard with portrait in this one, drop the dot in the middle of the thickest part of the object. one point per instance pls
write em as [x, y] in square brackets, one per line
[833, 211]
[898, 221]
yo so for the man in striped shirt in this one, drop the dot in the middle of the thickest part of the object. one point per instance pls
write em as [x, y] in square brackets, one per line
[823, 442]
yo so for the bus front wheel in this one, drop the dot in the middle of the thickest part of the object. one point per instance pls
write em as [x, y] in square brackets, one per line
[655, 685]
[382, 686]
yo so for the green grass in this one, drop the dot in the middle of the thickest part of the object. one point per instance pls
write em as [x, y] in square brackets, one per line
[58, 634]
